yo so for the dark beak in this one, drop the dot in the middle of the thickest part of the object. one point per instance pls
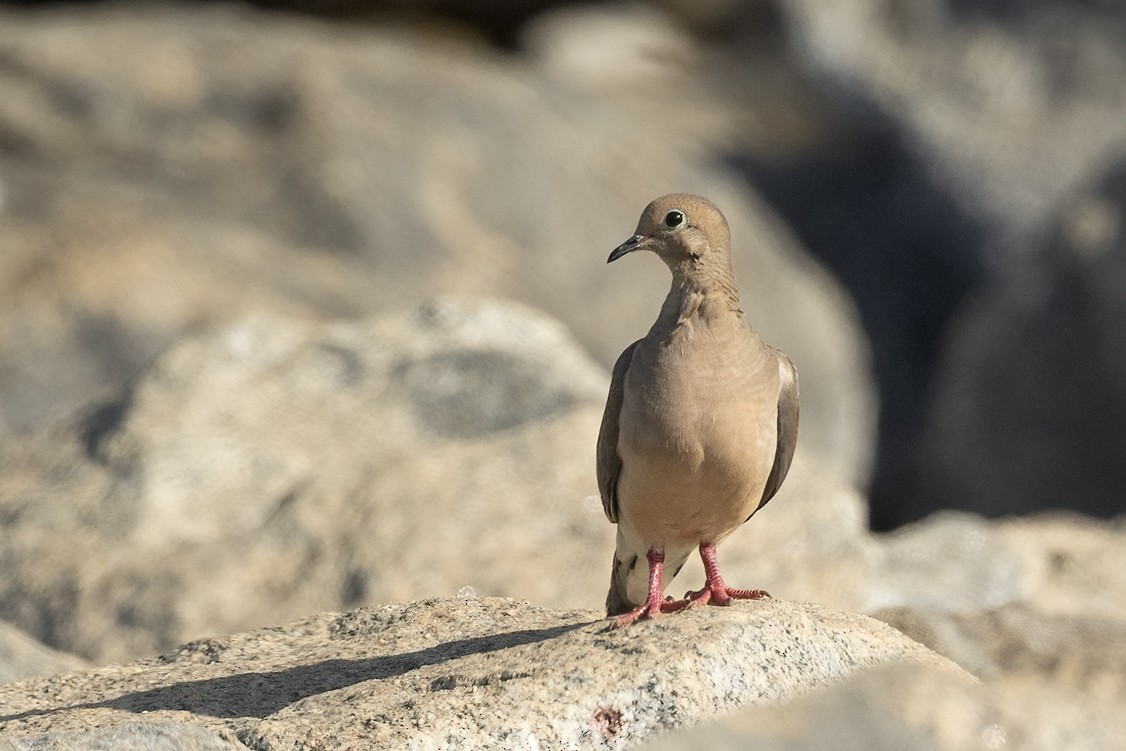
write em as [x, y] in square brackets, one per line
[628, 246]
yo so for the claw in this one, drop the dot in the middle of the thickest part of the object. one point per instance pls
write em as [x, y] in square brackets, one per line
[715, 592]
[649, 611]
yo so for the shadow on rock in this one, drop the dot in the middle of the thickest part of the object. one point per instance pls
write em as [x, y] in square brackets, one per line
[262, 694]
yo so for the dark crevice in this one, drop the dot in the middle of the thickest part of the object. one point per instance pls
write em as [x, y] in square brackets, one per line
[905, 250]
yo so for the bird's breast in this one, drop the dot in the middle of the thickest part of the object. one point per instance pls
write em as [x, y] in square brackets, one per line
[697, 441]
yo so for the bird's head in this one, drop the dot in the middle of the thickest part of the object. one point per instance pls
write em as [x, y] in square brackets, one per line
[681, 229]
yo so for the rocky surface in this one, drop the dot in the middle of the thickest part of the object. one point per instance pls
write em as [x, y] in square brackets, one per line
[1055, 565]
[954, 200]
[139, 736]
[1048, 681]
[884, 710]
[906, 707]
[24, 657]
[279, 467]
[209, 454]
[1053, 680]
[143, 202]
[269, 164]
[265, 351]
[462, 672]
[454, 487]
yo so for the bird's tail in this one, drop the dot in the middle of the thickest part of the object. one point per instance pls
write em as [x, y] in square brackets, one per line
[616, 601]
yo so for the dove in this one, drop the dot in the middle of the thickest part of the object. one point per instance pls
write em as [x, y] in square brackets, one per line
[701, 419]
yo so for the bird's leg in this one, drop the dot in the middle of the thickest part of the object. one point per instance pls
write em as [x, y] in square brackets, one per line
[655, 603]
[715, 592]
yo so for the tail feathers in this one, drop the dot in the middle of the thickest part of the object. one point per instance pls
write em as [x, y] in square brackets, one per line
[616, 600]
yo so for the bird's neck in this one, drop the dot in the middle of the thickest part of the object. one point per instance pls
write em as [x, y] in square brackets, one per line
[701, 293]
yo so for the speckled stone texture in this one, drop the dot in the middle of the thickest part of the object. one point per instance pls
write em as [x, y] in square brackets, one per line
[135, 736]
[467, 672]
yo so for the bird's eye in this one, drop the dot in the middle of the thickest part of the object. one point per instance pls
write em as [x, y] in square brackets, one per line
[674, 219]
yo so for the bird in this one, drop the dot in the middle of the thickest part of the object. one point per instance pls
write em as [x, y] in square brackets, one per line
[701, 419]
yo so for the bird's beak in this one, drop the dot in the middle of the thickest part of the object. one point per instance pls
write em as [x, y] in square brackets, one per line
[628, 246]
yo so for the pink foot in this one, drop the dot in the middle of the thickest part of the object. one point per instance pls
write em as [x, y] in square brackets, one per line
[649, 611]
[655, 602]
[715, 592]
[721, 596]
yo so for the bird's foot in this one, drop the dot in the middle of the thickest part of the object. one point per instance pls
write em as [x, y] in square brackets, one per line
[720, 595]
[648, 611]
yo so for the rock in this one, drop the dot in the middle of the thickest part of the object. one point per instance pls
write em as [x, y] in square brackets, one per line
[23, 657]
[449, 673]
[956, 130]
[886, 709]
[1076, 565]
[1031, 605]
[1020, 644]
[1054, 680]
[1012, 107]
[263, 163]
[954, 562]
[1029, 403]
[137, 736]
[179, 233]
[916, 571]
[1049, 681]
[278, 467]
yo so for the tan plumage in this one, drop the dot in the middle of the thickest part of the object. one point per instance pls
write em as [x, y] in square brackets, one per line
[701, 418]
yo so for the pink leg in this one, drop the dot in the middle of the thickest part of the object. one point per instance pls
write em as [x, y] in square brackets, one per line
[715, 592]
[655, 603]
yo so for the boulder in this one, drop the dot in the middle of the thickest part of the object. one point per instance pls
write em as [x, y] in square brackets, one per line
[225, 160]
[1053, 680]
[281, 466]
[134, 736]
[1011, 106]
[958, 131]
[954, 562]
[1051, 664]
[460, 673]
[1028, 408]
[886, 709]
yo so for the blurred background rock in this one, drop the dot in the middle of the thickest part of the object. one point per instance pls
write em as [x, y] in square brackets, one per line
[281, 287]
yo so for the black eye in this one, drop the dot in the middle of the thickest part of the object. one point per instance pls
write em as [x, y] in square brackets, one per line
[674, 219]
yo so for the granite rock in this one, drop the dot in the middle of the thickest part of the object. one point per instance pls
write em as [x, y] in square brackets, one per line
[469, 672]
[135, 736]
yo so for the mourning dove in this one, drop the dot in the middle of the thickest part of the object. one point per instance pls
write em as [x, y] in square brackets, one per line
[701, 419]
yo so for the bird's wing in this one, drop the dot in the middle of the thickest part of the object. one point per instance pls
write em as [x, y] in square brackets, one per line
[609, 462]
[787, 426]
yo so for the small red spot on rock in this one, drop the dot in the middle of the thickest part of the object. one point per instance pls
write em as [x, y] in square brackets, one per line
[609, 721]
